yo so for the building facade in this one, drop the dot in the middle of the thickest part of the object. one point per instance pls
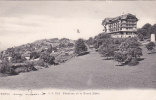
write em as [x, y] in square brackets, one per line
[122, 26]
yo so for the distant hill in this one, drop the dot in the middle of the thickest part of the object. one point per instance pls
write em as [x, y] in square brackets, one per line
[33, 56]
[41, 45]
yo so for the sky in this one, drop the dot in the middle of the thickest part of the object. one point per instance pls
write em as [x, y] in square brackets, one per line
[26, 21]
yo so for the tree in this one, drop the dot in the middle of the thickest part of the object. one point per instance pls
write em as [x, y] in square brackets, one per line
[151, 46]
[108, 48]
[140, 33]
[49, 48]
[147, 28]
[17, 58]
[153, 29]
[100, 38]
[70, 44]
[90, 41]
[47, 58]
[62, 45]
[129, 51]
[135, 52]
[80, 46]
[120, 56]
[144, 32]
[34, 55]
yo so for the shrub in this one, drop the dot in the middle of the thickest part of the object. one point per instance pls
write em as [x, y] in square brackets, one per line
[108, 47]
[30, 66]
[80, 46]
[34, 55]
[120, 56]
[108, 50]
[17, 58]
[90, 41]
[129, 51]
[100, 39]
[151, 46]
[135, 52]
[39, 62]
[70, 44]
[5, 67]
[19, 70]
[62, 45]
[51, 60]
[47, 58]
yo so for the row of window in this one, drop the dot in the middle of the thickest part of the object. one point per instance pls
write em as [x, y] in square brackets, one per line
[122, 25]
[119, 29]
[118, 23]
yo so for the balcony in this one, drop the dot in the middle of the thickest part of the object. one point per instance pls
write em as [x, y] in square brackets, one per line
[129, 30]
[124, 25]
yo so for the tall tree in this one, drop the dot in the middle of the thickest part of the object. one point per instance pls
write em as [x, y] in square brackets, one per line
[144, 32]
[90, 41]
[153, 29]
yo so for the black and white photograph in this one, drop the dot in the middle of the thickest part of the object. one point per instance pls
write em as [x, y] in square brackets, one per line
[78, 46]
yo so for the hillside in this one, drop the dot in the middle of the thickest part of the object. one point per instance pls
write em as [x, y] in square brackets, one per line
[88, 72]
[40, 53]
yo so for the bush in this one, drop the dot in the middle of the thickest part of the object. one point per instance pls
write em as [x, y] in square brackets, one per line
[80, 46]
[62, 45]
[51, 60]
[17, 58]
[100, 39]
[135, 52]
[70, 44]
[5, 67]
[30, 66]
[151, 46]
[47, 58]
[39, 62]
[128, 52]
[19, 70]
[108, 50]
[90, 41]
[120, 56]
[34, 55]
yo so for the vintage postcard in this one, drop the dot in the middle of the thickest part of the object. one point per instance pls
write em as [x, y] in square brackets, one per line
[73, 50]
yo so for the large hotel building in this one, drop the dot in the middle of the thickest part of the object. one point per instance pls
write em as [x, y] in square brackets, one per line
[122, 26]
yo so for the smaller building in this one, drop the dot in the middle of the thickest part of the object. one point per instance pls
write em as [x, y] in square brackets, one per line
[152, 37]
[26, 55]
[122, 26]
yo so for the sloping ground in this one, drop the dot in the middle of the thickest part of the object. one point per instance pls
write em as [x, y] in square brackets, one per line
[87, 72]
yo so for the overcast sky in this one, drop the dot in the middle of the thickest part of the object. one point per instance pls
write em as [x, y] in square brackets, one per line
[26, 21]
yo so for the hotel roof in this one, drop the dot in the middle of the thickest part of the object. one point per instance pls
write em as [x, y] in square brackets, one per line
[122, 17]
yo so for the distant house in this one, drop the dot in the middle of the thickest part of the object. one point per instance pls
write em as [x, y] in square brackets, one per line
[26, 55]
[9, 58]
[122, 26]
